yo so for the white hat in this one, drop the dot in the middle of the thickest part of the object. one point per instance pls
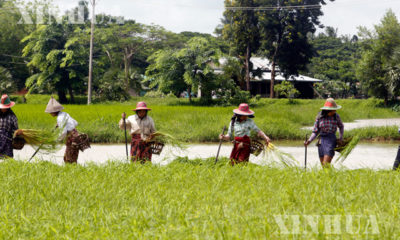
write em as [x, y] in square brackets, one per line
[53, 106]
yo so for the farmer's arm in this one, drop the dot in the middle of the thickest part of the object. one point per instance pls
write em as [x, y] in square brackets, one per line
[121, 123]
[228, 136]
[314, 133]
[260, 133]
[340, 126]
[15, 125]
[152, 126]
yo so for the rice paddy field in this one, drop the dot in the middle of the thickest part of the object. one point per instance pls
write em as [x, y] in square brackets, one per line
[278, 118]
[195, 200]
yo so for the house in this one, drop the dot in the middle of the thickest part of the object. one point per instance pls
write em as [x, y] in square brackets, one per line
[260, 85]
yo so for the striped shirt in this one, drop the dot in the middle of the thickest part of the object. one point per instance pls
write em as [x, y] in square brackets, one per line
[327, 125]
[8, 123]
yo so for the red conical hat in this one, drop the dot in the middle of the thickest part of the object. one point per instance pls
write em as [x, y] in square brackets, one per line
[141, 106]
[244, 110]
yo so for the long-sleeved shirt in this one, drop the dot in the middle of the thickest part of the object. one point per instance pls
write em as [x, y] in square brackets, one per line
[8, 123]
[145, 126]
[66, 123]
[244, 128]
[327, 125]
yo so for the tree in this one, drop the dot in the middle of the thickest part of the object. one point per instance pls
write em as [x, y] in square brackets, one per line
[57, 58]
[287, 90]
[377, 68]
[241, 28]
[12, 32]
[190, 68]
[7, 85]
[285, 33]
[166, 71]
[335, 60]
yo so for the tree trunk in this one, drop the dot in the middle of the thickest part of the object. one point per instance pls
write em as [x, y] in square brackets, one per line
[247, 65]
[71, 94]
[62, 97]
[126, 65]
[273, 73]
[190, 93]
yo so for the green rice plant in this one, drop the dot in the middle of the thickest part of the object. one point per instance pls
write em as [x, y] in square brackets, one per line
[346, 149]
[276, 117]
[193, 200]
[46, 140]
[273, 154]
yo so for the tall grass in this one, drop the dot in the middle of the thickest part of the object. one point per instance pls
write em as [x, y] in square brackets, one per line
[195, 200]
[279, 119]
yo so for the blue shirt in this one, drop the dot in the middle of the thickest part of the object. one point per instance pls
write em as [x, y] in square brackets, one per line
[244, 128]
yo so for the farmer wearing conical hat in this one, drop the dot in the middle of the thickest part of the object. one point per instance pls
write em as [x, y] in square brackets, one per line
[141, 127]
[8, 125]
[326, 125]
[67, 125]
[240, 128]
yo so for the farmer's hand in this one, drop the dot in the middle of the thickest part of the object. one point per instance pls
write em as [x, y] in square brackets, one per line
[123, 115]
[223, 137]
[267, 141]
[306, 143]
[19, 132]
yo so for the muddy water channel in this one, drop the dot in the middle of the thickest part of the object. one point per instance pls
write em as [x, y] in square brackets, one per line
[366, 155]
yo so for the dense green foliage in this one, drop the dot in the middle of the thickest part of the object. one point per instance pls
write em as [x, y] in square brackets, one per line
[335, 63]
[49, 54]
[379, 67]
[191, 200]
[279, 119]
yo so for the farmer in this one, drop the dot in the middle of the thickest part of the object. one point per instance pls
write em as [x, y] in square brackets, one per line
[241, 127]
[397, 160]
[141, 127]
[8, 125]
[326, 125]
[67, 126]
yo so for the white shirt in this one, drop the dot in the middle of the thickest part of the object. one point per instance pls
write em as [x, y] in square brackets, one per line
[145, 127]
[66, 123]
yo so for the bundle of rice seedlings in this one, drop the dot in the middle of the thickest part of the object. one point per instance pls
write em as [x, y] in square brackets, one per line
[346, 148]
[46, 140]
[167, 139]
[274, 154]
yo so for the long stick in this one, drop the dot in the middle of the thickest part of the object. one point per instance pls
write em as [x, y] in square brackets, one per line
[89, 100]
[37, 150]
[41, 145]
[126, 141]
[305, 155]
[220, 143]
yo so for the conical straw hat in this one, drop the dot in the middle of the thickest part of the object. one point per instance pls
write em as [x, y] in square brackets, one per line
[53, 106]
[330, 104]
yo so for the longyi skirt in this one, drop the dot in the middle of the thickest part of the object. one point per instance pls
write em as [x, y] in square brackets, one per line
[327, 146]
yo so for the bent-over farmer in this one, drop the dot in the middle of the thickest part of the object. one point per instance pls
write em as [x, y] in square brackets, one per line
[67, 126]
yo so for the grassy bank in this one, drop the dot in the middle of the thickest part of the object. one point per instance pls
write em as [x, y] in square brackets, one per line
[192, 201]
[280, 119]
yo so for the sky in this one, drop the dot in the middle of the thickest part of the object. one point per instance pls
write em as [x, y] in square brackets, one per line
[204, 15]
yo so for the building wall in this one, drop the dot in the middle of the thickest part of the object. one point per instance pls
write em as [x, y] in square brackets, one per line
[262, 88]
